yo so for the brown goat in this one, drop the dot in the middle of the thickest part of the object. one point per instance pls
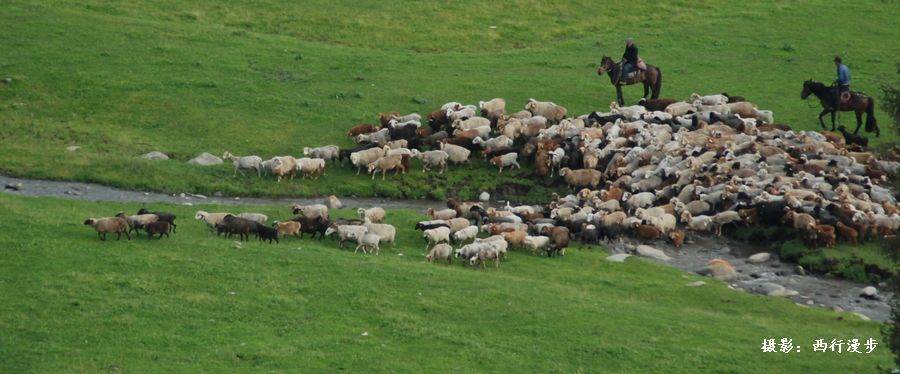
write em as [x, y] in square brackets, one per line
[360, 129]
[646, 231]
[677, 238]
[385, 117]
[847, 233]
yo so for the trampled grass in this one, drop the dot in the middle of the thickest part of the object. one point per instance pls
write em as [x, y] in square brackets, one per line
[271, 77]
[194, 302]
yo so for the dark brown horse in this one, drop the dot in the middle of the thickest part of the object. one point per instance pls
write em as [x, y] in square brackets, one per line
[858, 102]
[651, 78]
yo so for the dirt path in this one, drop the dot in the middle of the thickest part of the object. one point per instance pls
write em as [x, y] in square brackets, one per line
[812, 290]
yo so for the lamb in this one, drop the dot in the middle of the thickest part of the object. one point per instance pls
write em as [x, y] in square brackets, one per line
[536, 243]
[468, 233]
[847, 233]
[287, 228]
[508, 159]
[365, 157]
[497, 242]
[486, 253]
[470, 251]
[456, 153]
[246, 162]
[211, 219]
[677, 238]
[255, 217]
[368, 242]
[311, 167]
[581, 177]
[310, 211]
[163, 216]
[432, 159]
[375, 214]
[387, 163]
[440, 252]
[436, 235]
[106, 225]
[547, 109]
[444, 214]
[284, 165]
[347, 233]
[326, 152]
[137, 222]
[386, 232]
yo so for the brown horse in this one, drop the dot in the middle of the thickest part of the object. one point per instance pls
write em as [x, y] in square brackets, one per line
[651, 78]
[858, 102]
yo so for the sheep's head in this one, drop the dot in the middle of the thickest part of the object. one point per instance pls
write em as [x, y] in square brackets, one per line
[89, 221]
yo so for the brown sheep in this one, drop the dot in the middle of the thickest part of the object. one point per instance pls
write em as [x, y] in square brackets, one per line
[438, 118]
[646, 231]
[581, 177]
[749, 215]
[117, 225]
[559, 239]
[800, 220]
[385, 117]
[387, 163]
[360, 129]
[847, 233]
[514, 238]
[656, 104]
[677, 238]
[288, 228]
[816, 235]
[613, 193]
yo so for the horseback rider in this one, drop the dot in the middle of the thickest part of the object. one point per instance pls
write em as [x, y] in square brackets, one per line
[842, 83]
[629, 59]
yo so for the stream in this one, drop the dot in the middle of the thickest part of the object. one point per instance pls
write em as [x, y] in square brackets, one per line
[812, 290]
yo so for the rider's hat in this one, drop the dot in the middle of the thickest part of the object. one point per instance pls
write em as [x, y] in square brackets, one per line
[837, 59]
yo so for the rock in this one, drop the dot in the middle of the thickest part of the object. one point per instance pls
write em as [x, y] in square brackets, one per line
[182, 195]
[619, 257]
[799, 270]
[837, 309]
[218, 194]
[833, 296]
[332, 202]
[484, 197]
[648, 251]
[862, 316]
[725, 250]
[205, 159]
[13, 186]
[73, 148]
[73, 193]
[810, 302]
[759, 258]
[755, 275]
[155, 155]
[7, 80]
[719, 269]
[870, 293]
[773, 289]
[696, 284]
[187, 204]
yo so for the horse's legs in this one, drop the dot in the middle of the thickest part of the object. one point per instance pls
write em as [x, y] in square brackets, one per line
[858, 121]
[833, 114]
[619, 94]
[824, 112]
[646, 89]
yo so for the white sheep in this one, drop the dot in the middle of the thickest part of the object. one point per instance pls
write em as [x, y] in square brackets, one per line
[547, 109]
[456, 153]
[325, 152]
[311, 167]
[462, 113]
[468, 233]
[379, 137]
[365, 157]
[471, 123]
[407, 117]
[255, 217]
[443, 214]
[284, 165]
[310, 211]
[440, 252]
[509, 159]
[638, 200]
[375, 214]
[368, 242]
[397, 144]
[246, 162]
[386, 232]
[432, 159]
[500, 141]
[679, 109]
[710, 99]
[724, 218]
[536, 243]
[436, 235]
[347, 233]
[211, 219]
[633, 112]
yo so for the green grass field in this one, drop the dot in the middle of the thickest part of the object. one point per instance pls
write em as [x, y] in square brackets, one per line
[194, 302]
[270, 77]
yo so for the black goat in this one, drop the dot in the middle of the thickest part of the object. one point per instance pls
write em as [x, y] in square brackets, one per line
[163, 216]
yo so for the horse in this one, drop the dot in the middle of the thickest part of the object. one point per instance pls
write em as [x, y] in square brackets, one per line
[858, 102]
[651, 78]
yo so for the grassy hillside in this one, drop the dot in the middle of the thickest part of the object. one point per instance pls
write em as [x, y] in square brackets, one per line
[194, 302]
[269, 77]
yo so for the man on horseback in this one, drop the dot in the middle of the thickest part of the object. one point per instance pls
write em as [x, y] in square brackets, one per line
[629, 59]
[842, 83]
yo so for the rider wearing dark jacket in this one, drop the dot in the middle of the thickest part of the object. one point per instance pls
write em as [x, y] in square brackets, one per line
[630, 58]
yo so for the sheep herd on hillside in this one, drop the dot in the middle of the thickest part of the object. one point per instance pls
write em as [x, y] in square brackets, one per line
[658, 170]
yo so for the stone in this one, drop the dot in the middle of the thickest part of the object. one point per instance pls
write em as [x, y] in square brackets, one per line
[155, 155]
[73, 148]
[862, 316]
[773, 289]
[648, 251]
[332, 202]
[696, 284]
[13, 186]
[755, 275]
[837, 309]
[205, 159]
[799, 270]
[187, 204]
[810, 302]
[869, 291]
[218, 194]
[484, 197]
[721, 270]
[759, 258]
[618, 257]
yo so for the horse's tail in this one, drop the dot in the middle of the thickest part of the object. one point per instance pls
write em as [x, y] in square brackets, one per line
[658, 84]
[871, 124]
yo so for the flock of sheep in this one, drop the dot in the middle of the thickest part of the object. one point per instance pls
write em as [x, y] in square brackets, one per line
[657, 170]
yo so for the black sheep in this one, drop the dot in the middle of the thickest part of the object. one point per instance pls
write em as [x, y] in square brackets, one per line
[312, 225]
[852, 138]
[264, 232]
[237, 225]
[590, 234]
[163, 216]
[423, 227]
[158, 227]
